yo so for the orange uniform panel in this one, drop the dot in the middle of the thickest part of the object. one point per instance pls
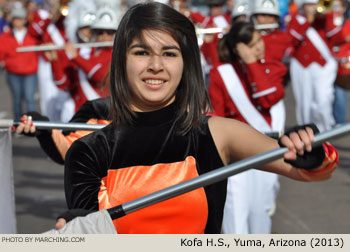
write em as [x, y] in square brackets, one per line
[186, 213]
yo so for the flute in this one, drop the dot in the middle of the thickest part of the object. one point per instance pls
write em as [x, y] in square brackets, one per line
[41, 48]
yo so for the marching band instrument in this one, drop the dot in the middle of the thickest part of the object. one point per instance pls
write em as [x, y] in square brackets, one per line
[324, 5]
[64, 8]
[266, 26]
[212, 30]
[42, 48]
[201, 32]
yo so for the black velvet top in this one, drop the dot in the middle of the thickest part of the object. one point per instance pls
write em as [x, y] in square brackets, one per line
[112, 166]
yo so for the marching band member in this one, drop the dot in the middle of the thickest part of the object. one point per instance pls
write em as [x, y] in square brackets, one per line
[217, 18]
[48, 27]
[84, 73]
[313, 68]
[278, 46]
[278, 43]
[245, 88]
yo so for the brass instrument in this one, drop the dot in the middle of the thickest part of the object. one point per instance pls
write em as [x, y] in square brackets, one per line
[324, 5]
[64, 7]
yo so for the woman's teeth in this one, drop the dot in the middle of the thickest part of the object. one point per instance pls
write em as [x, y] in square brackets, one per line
[154, 82]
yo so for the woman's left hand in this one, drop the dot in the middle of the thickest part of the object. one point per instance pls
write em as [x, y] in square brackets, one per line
[296, 142]
[245, 53]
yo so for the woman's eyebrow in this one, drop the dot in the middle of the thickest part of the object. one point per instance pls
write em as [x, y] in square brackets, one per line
[141, 46]
[170, 48]
[149, 48]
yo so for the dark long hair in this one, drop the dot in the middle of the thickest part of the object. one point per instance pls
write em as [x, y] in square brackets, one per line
[191, 96]
[239, 32]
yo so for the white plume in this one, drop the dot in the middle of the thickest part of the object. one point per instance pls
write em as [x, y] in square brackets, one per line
[76, 7]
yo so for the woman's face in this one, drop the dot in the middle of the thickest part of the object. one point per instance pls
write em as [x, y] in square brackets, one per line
[257, 46]
[154, 69]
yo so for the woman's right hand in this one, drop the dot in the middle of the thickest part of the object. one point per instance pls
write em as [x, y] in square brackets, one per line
[26, 126]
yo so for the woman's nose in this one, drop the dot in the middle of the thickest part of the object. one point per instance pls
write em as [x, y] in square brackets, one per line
[155, 64]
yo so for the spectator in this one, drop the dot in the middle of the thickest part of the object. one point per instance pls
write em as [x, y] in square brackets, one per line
[21, 67]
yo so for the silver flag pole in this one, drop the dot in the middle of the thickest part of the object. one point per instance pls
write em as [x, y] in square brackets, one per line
[91, 127]
[41, 48]
[217, 175]
[55, 125]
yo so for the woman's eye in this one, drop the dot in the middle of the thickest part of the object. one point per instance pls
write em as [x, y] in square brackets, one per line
[140, 53]
[169, 54]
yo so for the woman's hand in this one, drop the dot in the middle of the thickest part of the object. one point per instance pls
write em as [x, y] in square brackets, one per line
[245, 53]
[297, 141]
[26, 126]
[61, 222]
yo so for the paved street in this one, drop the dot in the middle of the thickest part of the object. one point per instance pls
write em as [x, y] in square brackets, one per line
[321, 207]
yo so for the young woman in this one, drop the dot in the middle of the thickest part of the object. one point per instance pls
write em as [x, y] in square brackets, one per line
[160, 135]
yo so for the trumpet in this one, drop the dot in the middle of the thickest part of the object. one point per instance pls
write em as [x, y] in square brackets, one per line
[324, 5]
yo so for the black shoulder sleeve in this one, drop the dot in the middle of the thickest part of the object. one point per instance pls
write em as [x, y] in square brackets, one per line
[84, 169]
[49, 147]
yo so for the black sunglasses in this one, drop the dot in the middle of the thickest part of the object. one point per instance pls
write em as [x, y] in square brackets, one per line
[101, 31]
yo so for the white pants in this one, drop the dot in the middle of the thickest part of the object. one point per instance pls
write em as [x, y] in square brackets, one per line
[250, 197]
[278, 116]
[52, 99]
[314, 93]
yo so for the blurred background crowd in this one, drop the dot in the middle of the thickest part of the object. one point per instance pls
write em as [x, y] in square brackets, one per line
[67, 47]
[64, 79]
